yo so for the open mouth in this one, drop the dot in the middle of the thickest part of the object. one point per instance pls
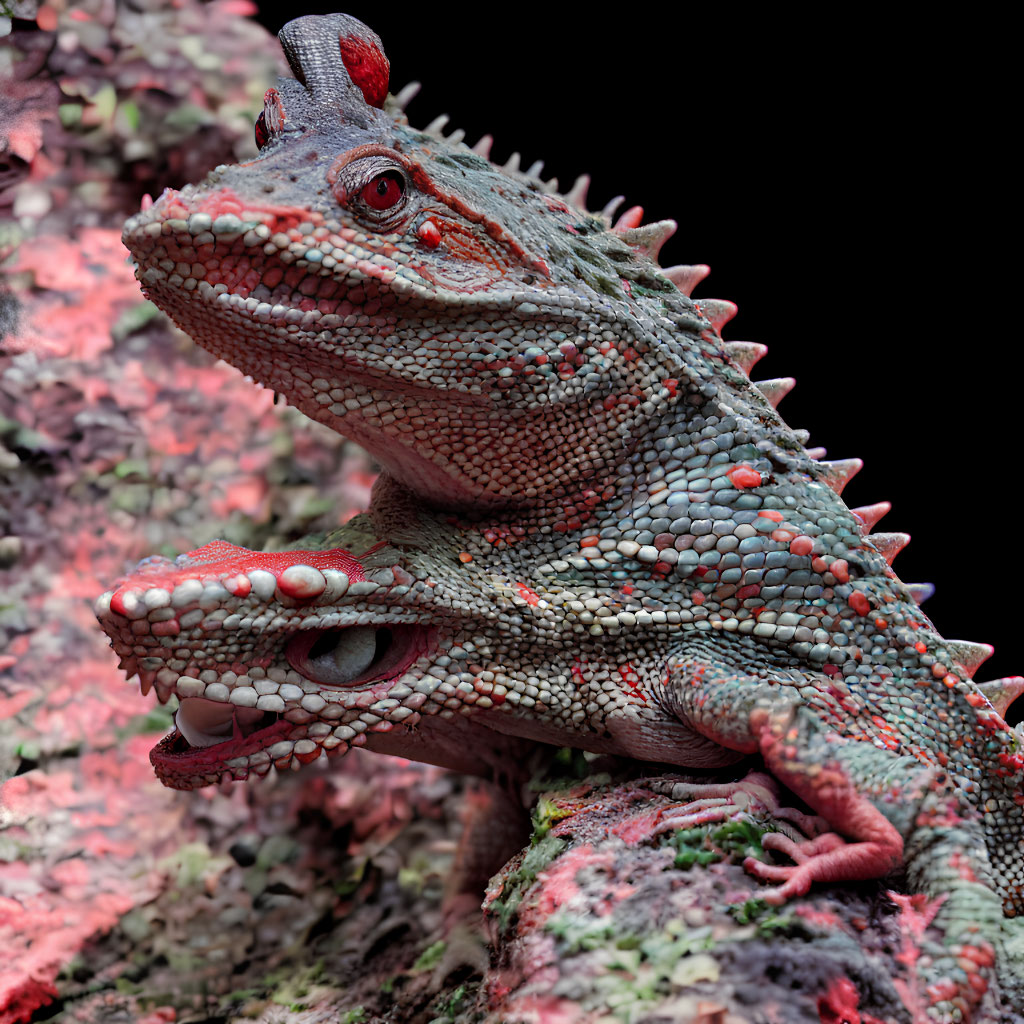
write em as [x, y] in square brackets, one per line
[209, 723]
[214, 737]
[210, 732]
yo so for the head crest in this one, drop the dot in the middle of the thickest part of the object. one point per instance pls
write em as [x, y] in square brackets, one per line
[339, 60]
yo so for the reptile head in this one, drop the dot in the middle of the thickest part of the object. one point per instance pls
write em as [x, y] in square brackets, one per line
[269, 662]
[278, 659]
[403, 290]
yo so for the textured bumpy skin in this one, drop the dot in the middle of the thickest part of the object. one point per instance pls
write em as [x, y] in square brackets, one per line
[592, 528]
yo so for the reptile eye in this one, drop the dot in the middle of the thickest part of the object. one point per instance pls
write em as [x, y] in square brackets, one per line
[384, 191]
[356, 654]
[261, 131]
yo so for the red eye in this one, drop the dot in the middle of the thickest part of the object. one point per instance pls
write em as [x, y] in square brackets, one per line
[383, 191]
[261, 131]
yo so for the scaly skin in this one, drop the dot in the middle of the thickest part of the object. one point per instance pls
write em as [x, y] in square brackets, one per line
[592, 528]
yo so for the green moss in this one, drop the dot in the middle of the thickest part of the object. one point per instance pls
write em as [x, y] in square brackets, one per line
[691, 848]
[190, 866]
[748, 911]
[538, 857]
[317, 506]
[242, 995]
[29, 750]
[345, 887]
[430, 957]
[636, 968]
[133, 319]
[740, 838]
[135, 925]
[734, 840]
[576, 933]
[158, 719]
[567, 768]
[276, 849]
[545, 815]
[451, 1009]
[294, 991]
[132, 467]
[70, 114]
[128, 117]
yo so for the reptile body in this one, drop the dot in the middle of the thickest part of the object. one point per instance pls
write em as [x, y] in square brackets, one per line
[592, 528]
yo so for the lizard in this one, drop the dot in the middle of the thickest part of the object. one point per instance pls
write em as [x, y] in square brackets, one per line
[591, 529]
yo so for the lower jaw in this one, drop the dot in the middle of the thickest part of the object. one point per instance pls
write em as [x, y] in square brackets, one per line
[179, 765]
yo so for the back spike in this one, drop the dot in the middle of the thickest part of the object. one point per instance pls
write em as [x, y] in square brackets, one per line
[745, 354]
[817, 453]
[1003, 692]
[870, 514]
[686, 277]
[718, 311]
[969, 654]
[630, 219]
[775, 389]
[512, 164]
[889, 545]
[436, 127]
[483, 146]
[839, 473]
[456, 137]
[535, 170]
[613, 204]
[577, 195]
[405, 95]
[920, 592]
[650, 238]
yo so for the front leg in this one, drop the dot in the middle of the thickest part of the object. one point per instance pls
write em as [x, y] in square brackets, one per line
[886, 810]
[841, 780]
[864, 793]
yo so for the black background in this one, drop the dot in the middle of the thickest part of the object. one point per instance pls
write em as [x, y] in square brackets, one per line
[848, 183]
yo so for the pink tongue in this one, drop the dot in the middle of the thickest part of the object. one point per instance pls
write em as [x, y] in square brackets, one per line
[204, 723]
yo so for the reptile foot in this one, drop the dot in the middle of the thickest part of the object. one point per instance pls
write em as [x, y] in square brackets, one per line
[816, 860]
[757, 794]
